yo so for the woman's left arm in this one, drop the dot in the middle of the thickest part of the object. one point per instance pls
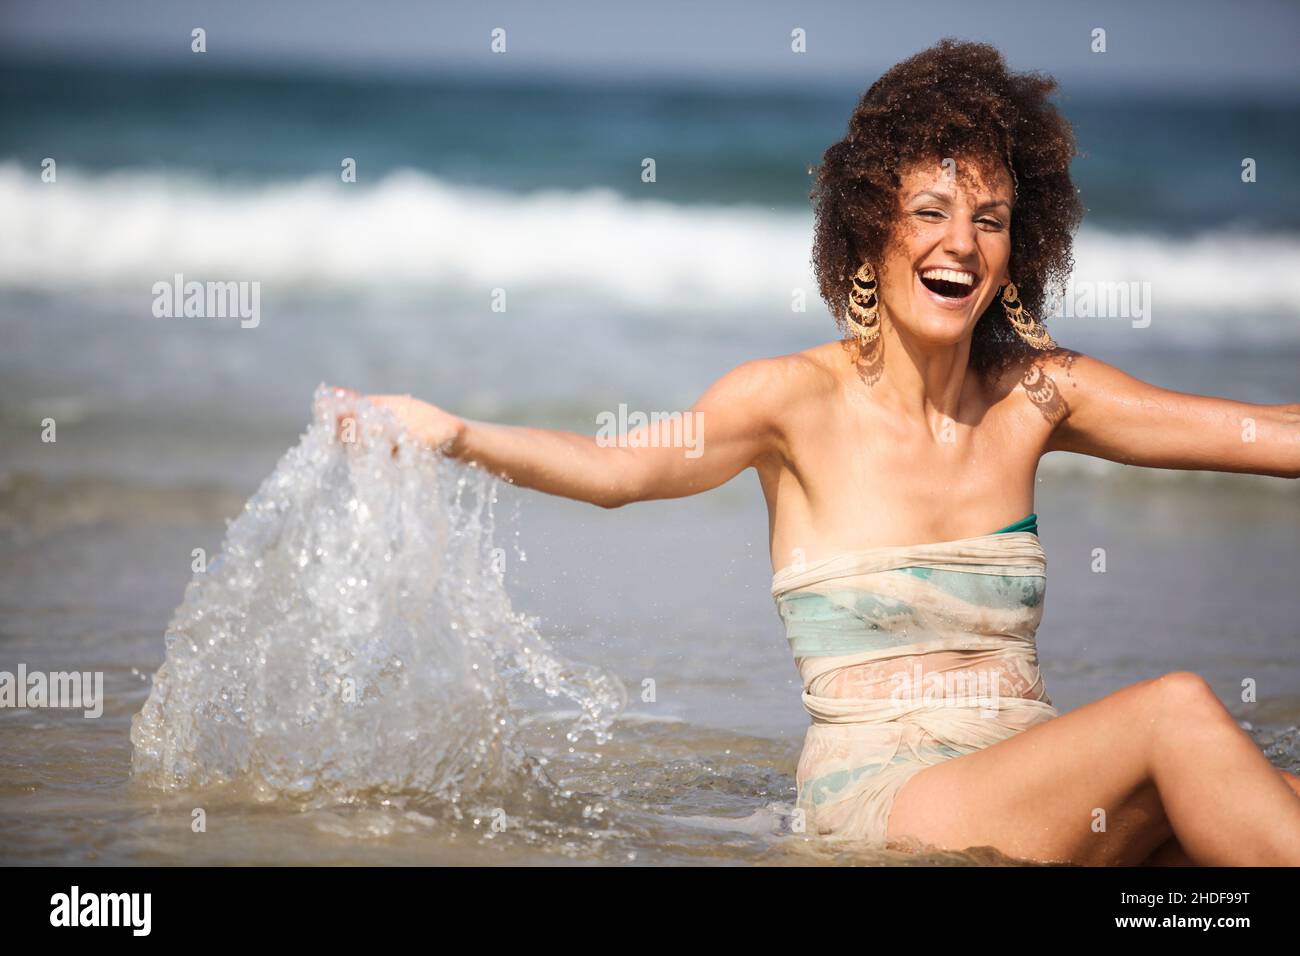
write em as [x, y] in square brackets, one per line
[1109, 414]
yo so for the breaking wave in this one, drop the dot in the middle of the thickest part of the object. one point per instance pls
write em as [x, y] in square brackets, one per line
[413, 234]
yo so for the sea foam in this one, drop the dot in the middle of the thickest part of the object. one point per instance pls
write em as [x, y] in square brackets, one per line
[427, 237]
[354, 637]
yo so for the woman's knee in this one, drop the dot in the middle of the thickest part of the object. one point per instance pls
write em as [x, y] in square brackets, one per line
[1180, 694]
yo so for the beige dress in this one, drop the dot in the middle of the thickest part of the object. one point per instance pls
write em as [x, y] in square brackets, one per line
[909, 656]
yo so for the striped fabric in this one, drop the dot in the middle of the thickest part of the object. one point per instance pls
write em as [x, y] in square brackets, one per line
[909, 656]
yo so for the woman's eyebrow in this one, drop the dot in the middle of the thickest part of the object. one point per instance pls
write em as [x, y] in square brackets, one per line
[946, 198]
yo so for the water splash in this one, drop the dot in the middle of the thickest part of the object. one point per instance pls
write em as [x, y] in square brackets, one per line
[355, 637]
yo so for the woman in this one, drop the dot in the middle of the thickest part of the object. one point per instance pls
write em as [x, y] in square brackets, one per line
[942, 219]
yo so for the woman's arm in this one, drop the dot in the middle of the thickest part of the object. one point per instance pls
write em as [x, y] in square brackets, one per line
[1115, 416]
[713, 441]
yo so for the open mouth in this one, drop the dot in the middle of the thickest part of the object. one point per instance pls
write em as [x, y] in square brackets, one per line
[948, 283]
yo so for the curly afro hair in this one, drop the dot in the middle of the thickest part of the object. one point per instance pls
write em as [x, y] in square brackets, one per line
[954, 99]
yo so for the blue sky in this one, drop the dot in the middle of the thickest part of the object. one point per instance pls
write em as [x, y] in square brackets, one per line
[1197, 44]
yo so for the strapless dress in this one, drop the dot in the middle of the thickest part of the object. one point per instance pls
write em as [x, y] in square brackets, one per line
[910, 656]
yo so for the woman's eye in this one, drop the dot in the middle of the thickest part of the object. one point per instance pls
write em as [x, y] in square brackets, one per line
[935, 215]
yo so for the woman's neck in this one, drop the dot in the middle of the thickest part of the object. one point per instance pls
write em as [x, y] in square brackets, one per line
[926, 382]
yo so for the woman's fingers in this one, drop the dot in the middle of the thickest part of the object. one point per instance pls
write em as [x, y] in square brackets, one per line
[399, 406]
[432, 425]
[428, 423]
[345, 415]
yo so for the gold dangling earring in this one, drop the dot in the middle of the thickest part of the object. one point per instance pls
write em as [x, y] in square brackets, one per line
[1029, 329]
[863, 315]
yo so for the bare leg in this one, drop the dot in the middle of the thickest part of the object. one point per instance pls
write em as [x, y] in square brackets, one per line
[1171, 852]
[1110, 783]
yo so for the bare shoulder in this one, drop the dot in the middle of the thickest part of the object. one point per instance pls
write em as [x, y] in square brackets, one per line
[1050, 382]
[782, 379]
[1080, 397]
[767, 399]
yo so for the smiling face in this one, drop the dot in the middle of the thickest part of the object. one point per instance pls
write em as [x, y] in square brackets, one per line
[950, 251]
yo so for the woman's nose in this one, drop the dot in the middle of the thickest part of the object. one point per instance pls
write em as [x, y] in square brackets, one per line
[959, 237]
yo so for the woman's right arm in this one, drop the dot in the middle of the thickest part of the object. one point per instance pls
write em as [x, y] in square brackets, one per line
[732, 425]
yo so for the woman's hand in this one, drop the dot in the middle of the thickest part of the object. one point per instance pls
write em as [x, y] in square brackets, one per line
[433, 426]
[429, 424]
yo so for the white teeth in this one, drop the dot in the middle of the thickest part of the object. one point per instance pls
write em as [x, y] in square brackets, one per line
[949, 275]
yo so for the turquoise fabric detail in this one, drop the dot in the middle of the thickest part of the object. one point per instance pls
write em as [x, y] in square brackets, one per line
[1028, 523]
[820, 789]
[851, 621]
[846, 621]
[986, 590]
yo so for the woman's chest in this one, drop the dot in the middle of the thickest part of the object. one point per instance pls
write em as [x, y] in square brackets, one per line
[863, 481]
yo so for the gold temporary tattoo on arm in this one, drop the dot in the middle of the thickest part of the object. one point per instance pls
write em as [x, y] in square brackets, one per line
[1042, 391]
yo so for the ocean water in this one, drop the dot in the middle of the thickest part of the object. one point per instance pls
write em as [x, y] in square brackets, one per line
[617, 291]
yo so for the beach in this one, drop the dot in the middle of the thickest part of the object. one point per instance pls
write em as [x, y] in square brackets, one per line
[672, 592]
[618, 295]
